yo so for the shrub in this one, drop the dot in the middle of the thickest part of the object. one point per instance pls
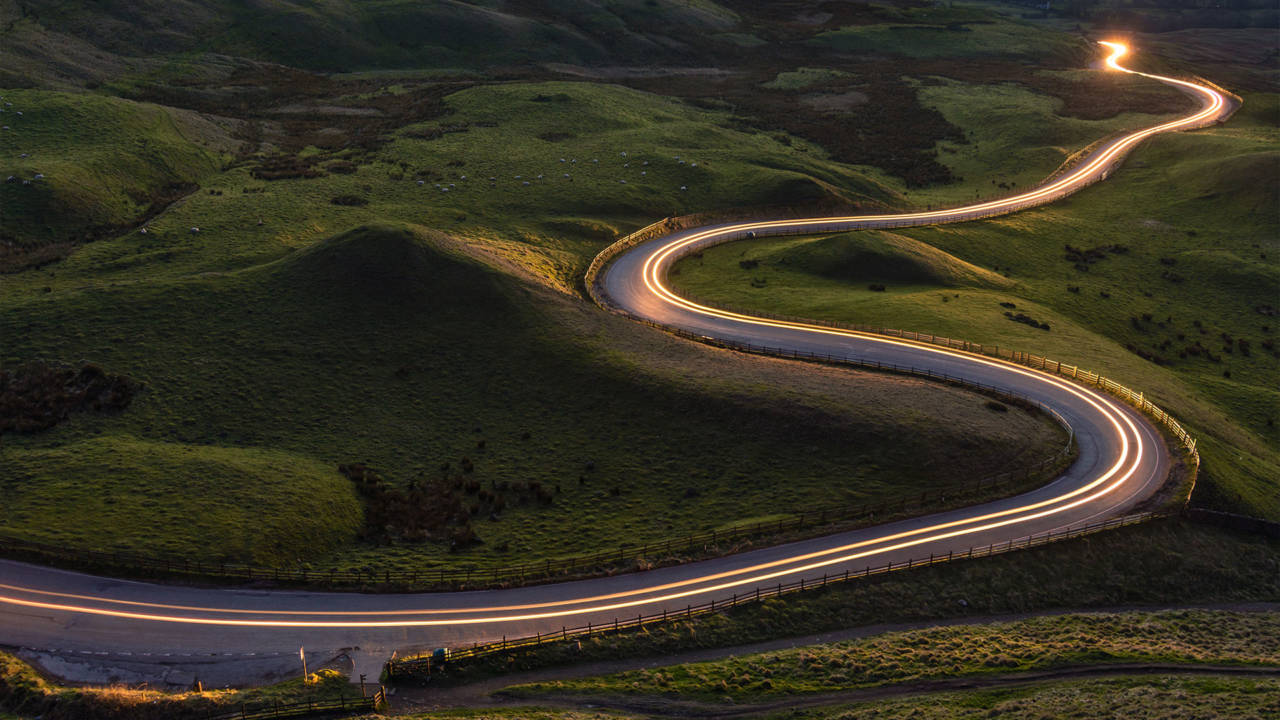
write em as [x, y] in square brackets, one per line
[348, 200]
[36, 395]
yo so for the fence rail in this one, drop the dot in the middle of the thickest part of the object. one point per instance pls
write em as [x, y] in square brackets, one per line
[307, 708]
[417, 669]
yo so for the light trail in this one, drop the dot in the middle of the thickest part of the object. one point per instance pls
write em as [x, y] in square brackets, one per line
[1107, 413]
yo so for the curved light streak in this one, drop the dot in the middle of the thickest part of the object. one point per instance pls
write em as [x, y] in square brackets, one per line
[1129, 438]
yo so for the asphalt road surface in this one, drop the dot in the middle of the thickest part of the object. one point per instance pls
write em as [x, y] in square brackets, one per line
[96, 629]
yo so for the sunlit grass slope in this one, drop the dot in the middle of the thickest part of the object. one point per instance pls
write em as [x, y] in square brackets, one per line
[678, 159]
[178, 499]
[103, 162]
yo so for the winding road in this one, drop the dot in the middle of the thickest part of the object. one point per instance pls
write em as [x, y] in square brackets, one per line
[96, 629]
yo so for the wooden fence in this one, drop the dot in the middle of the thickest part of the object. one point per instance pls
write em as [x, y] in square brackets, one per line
[418, 669]
[308, 708]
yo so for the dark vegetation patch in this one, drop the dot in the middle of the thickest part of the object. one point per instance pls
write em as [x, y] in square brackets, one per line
[1082, 258]
[892, 130]
[442, 508]
[349, 200]
[37, 395]
[341, 167]
[286, 167]
[1157, 17]
[435, 132]
[1026, 320]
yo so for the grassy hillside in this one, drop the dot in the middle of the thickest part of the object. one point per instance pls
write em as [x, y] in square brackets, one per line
[86, 166]
[177, 499]
[1163, 278]
[490, 170]
[883, 256]
[386, 346]
[1204, 637]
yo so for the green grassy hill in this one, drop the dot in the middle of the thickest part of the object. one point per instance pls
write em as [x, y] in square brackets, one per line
[385, 345]
[387, 261]
[1162, 278]
[84, 166]
[1173, 637]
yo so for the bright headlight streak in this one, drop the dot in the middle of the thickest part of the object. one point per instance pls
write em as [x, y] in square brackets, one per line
[653, 270]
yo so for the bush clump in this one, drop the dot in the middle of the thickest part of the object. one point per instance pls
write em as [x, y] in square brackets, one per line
[36, 395]
[349, 200]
